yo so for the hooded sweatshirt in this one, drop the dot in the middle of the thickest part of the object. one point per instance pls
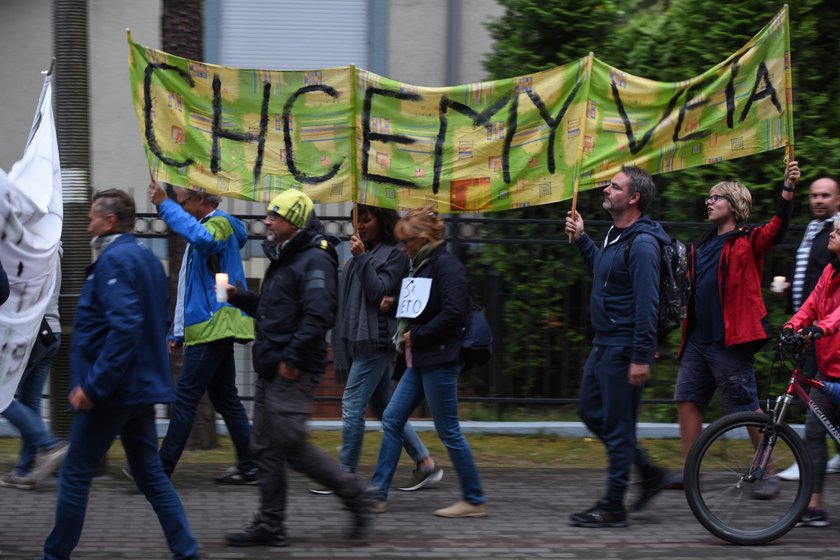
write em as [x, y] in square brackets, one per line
[624, 304]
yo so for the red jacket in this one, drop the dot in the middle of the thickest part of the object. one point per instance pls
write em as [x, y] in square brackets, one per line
[823, 309]
[740, 271]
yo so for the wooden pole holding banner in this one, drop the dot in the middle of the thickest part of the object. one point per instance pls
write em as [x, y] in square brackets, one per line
[587, 77]
[789, 156]
[354, 188]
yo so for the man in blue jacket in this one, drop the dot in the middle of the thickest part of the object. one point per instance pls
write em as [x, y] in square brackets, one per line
[206, 327]
[119, 371]
[624, 308]
[293, 312]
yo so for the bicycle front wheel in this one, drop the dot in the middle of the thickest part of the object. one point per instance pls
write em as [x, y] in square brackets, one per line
[723, 490]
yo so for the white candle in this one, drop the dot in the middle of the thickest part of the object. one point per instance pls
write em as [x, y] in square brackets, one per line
[221, 286]
[778, 285]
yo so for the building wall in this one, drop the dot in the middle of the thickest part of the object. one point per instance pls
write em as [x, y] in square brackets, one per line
[417, 54]
[26, 42]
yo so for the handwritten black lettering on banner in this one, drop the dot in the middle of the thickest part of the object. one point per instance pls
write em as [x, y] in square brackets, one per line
[287, 135]
[690, 101]
[368, 135]
[151, 141]
[478, 119]
[236, 135]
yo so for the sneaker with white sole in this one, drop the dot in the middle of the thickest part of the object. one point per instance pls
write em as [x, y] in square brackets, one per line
[790, 473]
[833, 465]
[48, 461]
[813, 517]
[321, 490]
[420, 479]
[14, 480]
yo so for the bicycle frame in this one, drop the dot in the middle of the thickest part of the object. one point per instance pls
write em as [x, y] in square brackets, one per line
[795, 390]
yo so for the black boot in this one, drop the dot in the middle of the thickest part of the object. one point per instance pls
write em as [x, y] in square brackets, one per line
[258, 534]
[360, 508]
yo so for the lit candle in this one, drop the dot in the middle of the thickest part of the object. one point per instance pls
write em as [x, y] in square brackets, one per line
[778, 285]
[221, 286]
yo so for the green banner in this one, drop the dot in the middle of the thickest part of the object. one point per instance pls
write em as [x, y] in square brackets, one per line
[343, 134]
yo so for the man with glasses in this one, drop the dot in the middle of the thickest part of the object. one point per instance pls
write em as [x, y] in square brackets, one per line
[623, 305]
[293, 312]
[205, 327]
[727, 321]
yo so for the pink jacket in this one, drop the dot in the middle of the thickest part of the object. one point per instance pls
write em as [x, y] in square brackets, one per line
[823, 308]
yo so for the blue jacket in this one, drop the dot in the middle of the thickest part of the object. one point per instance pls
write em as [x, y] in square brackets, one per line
[119, 355]
[436, 333]
[624, 305]
[215, 242]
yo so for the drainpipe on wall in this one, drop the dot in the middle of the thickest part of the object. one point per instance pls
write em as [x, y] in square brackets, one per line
[72, 119]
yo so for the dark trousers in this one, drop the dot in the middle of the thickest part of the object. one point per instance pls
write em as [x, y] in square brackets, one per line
[207, 367]
[91, 435]
[280, 438]
[608, 406]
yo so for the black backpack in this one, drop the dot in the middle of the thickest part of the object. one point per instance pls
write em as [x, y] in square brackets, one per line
[674, 283]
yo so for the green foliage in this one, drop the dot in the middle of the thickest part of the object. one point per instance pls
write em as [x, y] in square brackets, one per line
[546, 308]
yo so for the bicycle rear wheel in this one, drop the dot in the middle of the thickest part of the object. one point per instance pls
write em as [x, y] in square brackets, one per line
[720, 489]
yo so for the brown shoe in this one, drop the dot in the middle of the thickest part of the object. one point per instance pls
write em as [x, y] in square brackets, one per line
[379, 506]
[463, 509]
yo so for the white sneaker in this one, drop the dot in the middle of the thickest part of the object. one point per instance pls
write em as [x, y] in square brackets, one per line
[833, 465]
[790, 473]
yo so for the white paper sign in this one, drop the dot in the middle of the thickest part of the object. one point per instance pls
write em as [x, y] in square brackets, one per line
[414, 295]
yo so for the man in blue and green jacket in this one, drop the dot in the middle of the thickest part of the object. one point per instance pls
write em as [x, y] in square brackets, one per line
[206, 328]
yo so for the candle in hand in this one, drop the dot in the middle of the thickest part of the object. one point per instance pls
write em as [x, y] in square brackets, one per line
[221, 286]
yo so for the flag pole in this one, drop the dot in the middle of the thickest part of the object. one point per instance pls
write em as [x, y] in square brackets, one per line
[587, 75]
[789, 155]
[36, 120]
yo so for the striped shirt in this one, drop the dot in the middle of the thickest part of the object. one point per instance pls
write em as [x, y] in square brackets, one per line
[803, 254]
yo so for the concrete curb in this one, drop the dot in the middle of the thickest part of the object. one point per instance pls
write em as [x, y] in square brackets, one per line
[646, 430]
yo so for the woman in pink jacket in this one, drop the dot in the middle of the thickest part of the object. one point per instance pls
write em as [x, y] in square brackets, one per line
[819, 317]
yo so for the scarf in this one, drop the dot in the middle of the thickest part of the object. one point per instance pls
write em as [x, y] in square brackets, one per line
[420, 259]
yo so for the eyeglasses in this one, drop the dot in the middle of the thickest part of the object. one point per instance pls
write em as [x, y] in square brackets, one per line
[712, 198]
[272, 216]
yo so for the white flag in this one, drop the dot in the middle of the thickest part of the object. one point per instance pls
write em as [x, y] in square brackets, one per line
[31, 215]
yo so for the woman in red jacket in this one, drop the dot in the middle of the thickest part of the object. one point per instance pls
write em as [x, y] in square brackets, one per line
[819, 316]
[727, 321]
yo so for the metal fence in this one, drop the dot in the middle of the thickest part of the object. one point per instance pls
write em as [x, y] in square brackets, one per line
[531, 283]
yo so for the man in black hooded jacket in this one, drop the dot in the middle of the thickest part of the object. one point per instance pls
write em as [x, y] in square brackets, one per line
[292, 314]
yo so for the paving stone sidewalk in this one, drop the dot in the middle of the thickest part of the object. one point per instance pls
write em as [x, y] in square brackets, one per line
[528, 518]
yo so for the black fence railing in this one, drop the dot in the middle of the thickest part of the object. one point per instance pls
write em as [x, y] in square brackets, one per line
[535, 292]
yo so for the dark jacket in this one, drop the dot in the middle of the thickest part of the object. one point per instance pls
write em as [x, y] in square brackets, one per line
[740, 272]
[624, 305]
[436, 333]
[297, 303]
[119, 355]
[361, 327]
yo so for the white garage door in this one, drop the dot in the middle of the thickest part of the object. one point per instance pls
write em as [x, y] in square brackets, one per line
[293, 34]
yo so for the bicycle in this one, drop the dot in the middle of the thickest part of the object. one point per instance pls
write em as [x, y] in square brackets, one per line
[724, 467]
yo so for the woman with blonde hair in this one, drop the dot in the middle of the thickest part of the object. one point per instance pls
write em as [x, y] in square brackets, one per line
[430, 344]
[726, 322]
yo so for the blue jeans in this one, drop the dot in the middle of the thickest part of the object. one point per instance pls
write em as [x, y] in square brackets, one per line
[608, 406]
[91, 434]
[24, 412]
[439, 386]
[370, 380]
[207, 367]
